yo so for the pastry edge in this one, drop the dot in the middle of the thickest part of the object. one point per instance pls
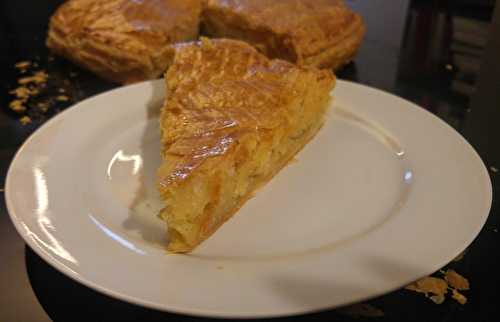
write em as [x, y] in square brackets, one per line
[179, 247]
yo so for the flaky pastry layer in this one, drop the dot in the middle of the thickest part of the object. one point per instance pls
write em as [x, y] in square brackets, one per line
[232, 119]
[123, 41]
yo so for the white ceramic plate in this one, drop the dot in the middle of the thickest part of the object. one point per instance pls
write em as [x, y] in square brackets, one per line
[385, 194]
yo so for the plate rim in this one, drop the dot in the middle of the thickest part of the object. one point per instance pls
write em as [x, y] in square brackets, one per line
[17, 222]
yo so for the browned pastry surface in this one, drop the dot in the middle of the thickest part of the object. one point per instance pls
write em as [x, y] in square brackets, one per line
[232, 119]
[122, 40]
[320, 33]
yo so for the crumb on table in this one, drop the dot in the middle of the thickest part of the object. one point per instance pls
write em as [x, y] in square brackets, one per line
[23, 65]
[17, 106]
[38, 77]
[456, 280]
[436, 288]
[493, 169]
[25, 120]
[460, 298]
[62, 98]
[438, 299]
[43, 106]
[34, 94]
[434, 285]
[24, 92]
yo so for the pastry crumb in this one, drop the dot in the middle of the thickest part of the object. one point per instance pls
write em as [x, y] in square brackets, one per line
[18, 105]
[436, 288]
[36, 93]
[493, 169]
[43, 106]
[38, 77]
[24, 92]
[220, 267]
[438, 299]
[460, 298]
[456, 280]
[434, 285]
[23, 65]
[25, 120]
[495, 230]
[62, 98]
[362, 310]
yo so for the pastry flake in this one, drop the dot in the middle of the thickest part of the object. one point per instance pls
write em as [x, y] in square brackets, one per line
[456, 280]
[231, 120]
[460, 298]
[319, 33]
[124, 41]
[429, 284]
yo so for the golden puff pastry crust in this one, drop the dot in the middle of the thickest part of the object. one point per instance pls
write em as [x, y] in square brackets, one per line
[123, 41]
[231, 120]
[319, 33]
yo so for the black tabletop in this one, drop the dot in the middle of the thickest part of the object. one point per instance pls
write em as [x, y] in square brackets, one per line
[442, 55]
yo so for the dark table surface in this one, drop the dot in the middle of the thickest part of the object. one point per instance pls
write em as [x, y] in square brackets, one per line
[415, 49]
